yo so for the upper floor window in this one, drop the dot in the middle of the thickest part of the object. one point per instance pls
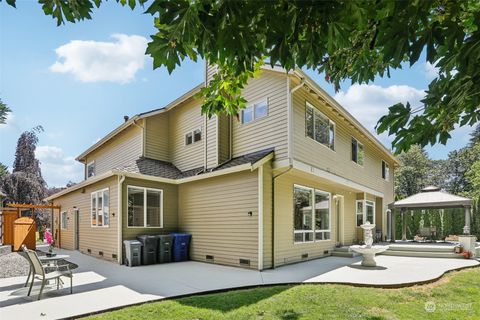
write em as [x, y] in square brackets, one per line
[311, 214]
[385, 171]
[319, 127]
[255, 111]
[100, 208]
[145, 207]
[358, 153]
[91, 169]
[193, 136]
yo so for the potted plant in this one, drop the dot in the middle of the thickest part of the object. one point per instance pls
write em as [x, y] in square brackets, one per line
[467, 254]
[48, 238]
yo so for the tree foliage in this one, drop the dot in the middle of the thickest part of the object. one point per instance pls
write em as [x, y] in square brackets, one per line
[4, 111]
[25, 184]
[355, 40]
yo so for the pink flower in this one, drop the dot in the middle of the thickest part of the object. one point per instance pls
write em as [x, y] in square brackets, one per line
[48, 237]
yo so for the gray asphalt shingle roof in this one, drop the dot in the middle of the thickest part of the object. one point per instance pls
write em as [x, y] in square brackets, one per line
[163, 169]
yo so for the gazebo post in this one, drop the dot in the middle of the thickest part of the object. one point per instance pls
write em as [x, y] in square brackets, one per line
[404, 225]
[466, 228]
[392, 226]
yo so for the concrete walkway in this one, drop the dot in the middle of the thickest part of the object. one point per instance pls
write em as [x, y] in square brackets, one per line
[100, 285]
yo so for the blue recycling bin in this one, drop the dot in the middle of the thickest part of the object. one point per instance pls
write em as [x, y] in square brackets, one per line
[181, 246]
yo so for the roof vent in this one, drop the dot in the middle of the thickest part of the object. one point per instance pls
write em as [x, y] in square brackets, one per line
[125, 118]
[431, 189]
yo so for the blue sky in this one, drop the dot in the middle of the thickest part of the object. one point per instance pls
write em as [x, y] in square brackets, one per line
[79, 91]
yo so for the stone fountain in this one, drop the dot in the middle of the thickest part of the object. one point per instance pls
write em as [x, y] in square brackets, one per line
[368, 251]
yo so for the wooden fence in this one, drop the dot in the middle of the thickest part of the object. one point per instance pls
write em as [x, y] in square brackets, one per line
[7, 219]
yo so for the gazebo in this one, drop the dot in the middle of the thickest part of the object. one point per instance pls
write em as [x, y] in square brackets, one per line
[429, 198]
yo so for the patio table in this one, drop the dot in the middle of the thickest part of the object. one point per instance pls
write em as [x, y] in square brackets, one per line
[45, 258]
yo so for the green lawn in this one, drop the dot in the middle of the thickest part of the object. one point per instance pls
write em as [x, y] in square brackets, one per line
[455, 296]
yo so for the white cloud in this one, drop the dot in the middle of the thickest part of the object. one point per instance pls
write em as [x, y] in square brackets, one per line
[10, 123]
[430, 71]
[367, 103]
[57, 168]
[93, 61]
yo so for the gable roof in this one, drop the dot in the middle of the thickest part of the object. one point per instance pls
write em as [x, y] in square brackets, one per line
[189, 94]
[432, 197]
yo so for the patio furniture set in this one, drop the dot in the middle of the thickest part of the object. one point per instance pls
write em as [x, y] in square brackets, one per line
[46, 269]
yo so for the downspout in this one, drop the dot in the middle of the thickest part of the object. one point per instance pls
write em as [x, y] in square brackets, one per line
[290, 167]
[290, 115]
[121, 179]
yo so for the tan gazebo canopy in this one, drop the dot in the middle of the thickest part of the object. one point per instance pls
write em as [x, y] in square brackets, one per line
[430, 198]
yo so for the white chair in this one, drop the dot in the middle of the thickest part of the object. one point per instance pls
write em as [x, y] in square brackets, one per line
[39, 272]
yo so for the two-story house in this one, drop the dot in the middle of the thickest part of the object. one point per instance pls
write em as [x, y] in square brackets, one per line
[287, 180]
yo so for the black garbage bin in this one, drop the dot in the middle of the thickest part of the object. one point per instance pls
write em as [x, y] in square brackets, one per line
[149, 248]
[164, 249]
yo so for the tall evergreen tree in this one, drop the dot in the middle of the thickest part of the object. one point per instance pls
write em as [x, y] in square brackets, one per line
[4, 110]
[25, 184]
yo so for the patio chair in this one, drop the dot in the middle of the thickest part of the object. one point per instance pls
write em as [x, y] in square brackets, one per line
[39, 272]
[25, 255]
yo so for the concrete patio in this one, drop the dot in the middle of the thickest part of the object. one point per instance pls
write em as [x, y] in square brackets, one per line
[101, 285]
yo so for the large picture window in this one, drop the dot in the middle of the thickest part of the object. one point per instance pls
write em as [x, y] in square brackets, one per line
[311, 210]
[365, 212]
[100, 210]
[145, 207]
[319, 127]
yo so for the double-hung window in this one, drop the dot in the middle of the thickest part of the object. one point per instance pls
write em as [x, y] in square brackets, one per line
[385, 171]
[365, 212]
[311, 210]
[255, 111]
[100, 208]
[358, 153]
[319, 127]
[145, 207]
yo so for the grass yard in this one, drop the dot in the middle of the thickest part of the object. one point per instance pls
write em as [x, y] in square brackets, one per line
[455, 296]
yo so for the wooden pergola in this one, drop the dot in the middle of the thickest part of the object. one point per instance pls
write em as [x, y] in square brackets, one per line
[23, 206]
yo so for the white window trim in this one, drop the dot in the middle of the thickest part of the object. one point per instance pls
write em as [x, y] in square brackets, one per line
[96, 212]
[313, 230]
[193, 136]
[94, 169]
[330, 121]
[351, 153]
[64, 220]
[387, 175]
[254, 118]
[145, 189]
[364, 213]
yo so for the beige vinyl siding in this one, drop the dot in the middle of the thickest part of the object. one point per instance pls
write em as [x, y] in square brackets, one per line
[182, 119]
[211, 70]
[286, 251]
[267, 215]
[339, 161]
[270, 131]
[223, 138]
[211, 136]
[96, 239]
[121, 150]
[170, 208]
[215, 211]
[156, 137]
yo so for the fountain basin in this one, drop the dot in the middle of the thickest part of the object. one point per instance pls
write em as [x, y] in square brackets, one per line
[368, 253]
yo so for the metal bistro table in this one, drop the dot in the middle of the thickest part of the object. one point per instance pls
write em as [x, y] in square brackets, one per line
[47, 259]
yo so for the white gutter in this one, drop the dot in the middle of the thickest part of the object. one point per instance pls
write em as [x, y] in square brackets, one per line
[121, 179]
